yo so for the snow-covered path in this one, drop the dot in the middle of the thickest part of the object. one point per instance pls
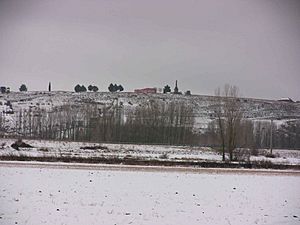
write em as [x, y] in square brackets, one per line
[48, 195]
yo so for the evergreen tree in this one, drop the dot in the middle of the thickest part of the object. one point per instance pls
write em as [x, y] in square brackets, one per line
[3, 90]
[23, 87]
[77, 88]
[83, 88]
[115, 87]
[90, 87]
[176, 90]
[167, 89]
[111, 87]
[120, 88]
[95, 89]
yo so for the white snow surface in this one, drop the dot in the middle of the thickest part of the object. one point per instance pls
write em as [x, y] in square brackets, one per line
[42, 148]
[66, 148]
[88, 196]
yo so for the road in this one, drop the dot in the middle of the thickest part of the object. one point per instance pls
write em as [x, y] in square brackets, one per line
[85, 166]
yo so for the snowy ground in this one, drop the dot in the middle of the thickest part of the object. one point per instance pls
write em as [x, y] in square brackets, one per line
[148, 152]
[45, 195]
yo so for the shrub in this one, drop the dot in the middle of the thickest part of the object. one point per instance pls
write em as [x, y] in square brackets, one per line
[270, 155]
[241, 154]
[20, 144]
[254, 151]
[164, 156]
[3, 145]
[44, 149]
[263, 164]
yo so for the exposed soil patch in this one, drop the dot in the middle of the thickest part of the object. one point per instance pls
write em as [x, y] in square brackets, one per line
[94, 147]
[20, 144]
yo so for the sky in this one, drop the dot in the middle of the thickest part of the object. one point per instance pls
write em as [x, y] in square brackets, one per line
[204, 44]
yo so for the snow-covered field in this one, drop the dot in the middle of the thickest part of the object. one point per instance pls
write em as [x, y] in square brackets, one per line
[43, 148]
[45, 195]
[79, 149]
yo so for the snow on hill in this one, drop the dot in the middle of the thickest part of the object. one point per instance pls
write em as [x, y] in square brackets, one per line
[204, 106]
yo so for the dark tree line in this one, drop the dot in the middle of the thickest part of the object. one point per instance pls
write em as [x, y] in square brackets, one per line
[256, 135]
[82, 88]
[160, 123]
[4, 90]
[153, 122]
[93, 88]
[115, 87]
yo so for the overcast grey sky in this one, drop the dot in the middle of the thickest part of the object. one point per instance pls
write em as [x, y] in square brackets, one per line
[254, 44]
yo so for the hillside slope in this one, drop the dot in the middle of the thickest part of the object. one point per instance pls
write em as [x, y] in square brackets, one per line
[204, 106]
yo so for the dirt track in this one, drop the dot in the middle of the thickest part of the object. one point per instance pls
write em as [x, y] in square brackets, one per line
[84, 166]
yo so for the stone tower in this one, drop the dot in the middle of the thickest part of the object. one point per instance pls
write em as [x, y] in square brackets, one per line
[176, 88]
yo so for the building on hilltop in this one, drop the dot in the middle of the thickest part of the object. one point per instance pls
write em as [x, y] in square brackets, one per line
[146, 91]
[285, 100]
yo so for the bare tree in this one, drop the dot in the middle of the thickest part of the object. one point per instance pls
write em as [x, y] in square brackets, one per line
[229, 114]
[221, 125]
